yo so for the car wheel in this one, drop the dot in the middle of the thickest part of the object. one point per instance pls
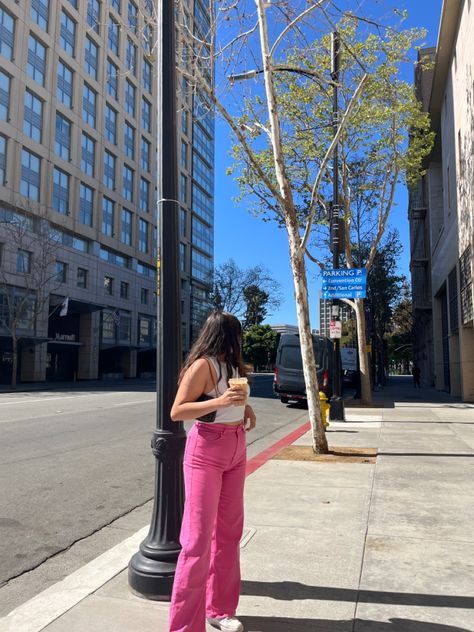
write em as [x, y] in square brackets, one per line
[284, 400]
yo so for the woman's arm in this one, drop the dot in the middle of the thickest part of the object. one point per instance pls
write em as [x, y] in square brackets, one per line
[196, 381]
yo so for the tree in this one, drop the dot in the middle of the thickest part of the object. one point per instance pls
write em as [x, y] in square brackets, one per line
[400, 331]
[248, 293]
[27, 275]
[282, 148]
[259, 345]
[256, 301]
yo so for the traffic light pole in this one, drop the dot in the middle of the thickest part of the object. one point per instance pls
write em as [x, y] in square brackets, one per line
[336, 411]
[151, 569]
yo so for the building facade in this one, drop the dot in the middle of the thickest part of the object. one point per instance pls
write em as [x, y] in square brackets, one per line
[441, 211]
[325, 317]
[78, 149]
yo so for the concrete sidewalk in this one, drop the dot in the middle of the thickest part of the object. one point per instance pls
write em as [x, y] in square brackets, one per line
[328, 546]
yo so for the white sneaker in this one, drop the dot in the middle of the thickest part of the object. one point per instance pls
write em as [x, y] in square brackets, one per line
[226, 624]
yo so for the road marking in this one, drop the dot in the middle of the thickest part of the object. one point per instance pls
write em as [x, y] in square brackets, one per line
[57, 398]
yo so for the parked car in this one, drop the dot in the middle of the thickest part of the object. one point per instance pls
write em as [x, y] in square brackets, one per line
[288, 383]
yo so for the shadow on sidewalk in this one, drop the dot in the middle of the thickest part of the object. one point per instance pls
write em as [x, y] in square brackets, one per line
[285, 624]
[288, 591]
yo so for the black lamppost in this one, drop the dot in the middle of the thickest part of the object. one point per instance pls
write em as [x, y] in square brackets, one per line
[336, 411]
[151, 569]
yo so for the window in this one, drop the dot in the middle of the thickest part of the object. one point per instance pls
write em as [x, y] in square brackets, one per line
[147, 38]
[107, 216]
[112, 79]
[145, 151]
[131, 56]
[202, 204]
[182, 257]
[40, 13]
[64, 84]
[109, 170]
[155, 242]
[93, 14]
[108, 285]
[147, 75]
[30, 175]
[182, 222]
[130, 98]
[144, 195]
[146, 115]
[91, 57]
[7, 34]
[132, 16]
[4, 96]
[114, 257]
[183, 185]
[124, 289]
[127, 190]
[115, 4]
[62, 145]
[113, 35]
[61, 272]
[36, 64]
[81, 279]
[143, 235]
[201, 266]
[87, 155]
[110, 124]
[89, 99]
[184, 121]
[129, 141]
[86, 204]
[144, 296]
[184, 155]
[23, 261]
[202, 236]
[73, 3]
[3, 159]
[67, 34]
[60, 191]
[33, 116]
[126, 227]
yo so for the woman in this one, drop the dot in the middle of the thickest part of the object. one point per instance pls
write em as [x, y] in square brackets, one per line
[207, 578]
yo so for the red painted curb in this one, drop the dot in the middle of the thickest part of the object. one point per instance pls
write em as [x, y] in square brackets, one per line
[265, 455]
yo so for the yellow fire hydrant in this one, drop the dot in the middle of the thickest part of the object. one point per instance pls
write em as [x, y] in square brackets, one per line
[324, 409]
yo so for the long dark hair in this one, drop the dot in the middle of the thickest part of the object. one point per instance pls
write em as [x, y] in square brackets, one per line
[220, 336]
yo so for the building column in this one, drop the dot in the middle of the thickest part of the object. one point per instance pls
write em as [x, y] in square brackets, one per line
[88, 361]
[33, 363]
[128, 362]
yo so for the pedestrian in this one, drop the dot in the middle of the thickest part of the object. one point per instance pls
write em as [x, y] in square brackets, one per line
[207, 578]
[416, 372]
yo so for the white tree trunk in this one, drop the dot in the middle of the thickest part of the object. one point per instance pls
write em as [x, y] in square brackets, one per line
[298, 268]
[365, 388]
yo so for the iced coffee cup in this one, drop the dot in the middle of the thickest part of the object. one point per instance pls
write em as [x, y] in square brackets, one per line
[239, 383]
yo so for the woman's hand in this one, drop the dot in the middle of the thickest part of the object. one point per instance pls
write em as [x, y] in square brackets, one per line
[250, 420]
[232, 397]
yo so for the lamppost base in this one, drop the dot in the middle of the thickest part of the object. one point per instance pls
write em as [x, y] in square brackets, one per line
[336, 409]
[151, 578]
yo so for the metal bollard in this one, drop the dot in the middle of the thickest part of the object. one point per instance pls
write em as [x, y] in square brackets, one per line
[324, 409]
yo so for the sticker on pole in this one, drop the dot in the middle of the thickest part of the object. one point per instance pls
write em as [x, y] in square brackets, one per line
[335, 329]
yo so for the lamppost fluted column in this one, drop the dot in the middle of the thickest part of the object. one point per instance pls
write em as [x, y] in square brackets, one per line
[151, 569]
[336, 411]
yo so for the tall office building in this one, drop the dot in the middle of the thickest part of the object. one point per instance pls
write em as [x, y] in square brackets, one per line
[325, 314]
[78, 156]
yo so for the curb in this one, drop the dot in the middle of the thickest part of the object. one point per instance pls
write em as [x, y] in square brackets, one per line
[40, 611]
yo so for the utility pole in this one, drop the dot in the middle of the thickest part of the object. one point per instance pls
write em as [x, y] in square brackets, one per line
[336, 411]
[151, 570]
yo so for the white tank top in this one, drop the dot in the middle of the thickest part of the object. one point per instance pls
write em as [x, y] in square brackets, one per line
[231, 414]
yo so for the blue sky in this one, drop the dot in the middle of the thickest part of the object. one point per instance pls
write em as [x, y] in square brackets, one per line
[250, 241]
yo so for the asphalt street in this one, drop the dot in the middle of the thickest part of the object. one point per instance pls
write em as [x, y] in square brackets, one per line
[73, 461]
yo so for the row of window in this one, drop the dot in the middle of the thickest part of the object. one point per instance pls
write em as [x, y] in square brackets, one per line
[117, 326]
[68, 35]
[34, 105]
[30, 180]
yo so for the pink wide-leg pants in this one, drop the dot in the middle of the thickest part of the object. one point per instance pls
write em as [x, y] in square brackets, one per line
[207, 578]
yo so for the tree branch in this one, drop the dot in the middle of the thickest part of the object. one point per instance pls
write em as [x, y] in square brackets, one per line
[292, 24]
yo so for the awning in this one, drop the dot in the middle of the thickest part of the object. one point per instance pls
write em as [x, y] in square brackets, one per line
[26, 341]
[76, 306]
